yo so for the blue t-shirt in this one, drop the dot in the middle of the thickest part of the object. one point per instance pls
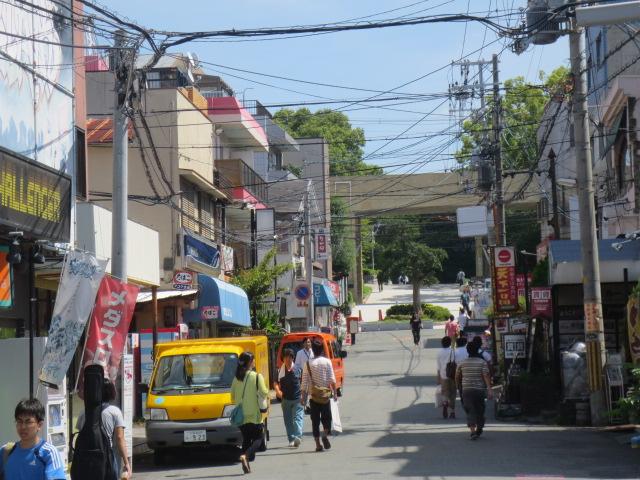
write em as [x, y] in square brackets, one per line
[40, 462]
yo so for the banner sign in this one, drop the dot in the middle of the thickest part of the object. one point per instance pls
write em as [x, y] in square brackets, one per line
[34, 198]
[79, 282]
[505, 292]
[109, 325]
[322, 244]
[226, 263]
[633, 323]
[514, 346]
[541, 304]
[520, 284]
[201, 251]
[6, 288]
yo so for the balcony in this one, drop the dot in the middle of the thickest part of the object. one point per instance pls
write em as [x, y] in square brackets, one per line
[240, 128]
[242, 182]
[276, 135]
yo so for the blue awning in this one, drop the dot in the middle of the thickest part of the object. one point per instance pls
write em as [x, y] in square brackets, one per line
[323, 296]
[201, 250]
[221, 301]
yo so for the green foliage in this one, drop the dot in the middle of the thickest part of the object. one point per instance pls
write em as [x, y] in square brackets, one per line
[629, 406]
[523, 107]
[432, 312]
[345, 142]
[269, 321]
[540, 274]
[350, 299]
[258, 281]
[343, 248]
[367, 290]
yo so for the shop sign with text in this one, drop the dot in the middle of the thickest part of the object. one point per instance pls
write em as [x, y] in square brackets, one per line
[34, 199]
[505, 292]
[541, 305]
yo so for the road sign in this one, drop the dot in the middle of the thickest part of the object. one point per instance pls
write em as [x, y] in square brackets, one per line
[302, 292]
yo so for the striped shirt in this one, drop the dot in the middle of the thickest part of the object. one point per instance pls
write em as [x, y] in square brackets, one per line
[470, 373]
[322, 371]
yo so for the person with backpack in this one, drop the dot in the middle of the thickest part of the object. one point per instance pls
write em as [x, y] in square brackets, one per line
[446, 377]
[288, 391]
[249, 390]
[113, 427]
[31, 458]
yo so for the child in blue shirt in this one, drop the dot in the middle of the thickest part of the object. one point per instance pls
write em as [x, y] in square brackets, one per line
[31, 458]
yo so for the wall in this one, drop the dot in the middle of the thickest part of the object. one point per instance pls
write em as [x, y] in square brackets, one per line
[195, 139]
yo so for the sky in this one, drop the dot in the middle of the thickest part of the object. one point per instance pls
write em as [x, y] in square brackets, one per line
[382, 60]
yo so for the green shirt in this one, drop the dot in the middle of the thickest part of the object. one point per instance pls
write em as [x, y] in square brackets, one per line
[250, 408]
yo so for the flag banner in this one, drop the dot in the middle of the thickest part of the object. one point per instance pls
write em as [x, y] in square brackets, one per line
[109, 326]
[79, 282]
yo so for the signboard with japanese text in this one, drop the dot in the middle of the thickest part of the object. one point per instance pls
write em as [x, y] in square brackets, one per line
[541, 304]
[520, 283]
[128, 379]
[182, 280]
[322, 244]
[505, 292]
[210, 312]
[515, 345]
[109, 325]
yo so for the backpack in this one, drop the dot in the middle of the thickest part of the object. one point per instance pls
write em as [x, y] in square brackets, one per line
[93, 455]
[450, 369]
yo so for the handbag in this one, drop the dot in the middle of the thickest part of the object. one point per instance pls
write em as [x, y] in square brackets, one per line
[320, 395]
[263, 401]
[451, 366]
[236, 417]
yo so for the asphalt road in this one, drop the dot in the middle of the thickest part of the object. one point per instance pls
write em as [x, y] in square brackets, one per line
[392, 429]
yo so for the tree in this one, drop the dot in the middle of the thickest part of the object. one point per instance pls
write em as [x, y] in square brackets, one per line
[258, 281]
[343, 248]
[404, 253]
[345, 142]
[522, 108]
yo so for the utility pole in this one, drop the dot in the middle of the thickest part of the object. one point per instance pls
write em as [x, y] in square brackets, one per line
[593, 324]
[554, 194]
[358, 282]
[119, 212]
[308, 256]
[500, 224]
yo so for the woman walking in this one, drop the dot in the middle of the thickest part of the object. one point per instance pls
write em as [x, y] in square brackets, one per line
[416, 325]
[245, 389]
[473, 380]
[288, 391]
[319, 384]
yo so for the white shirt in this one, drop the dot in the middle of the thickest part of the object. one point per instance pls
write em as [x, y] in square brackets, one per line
[461, 354]
[302, 357]
[462, 320]
[322, 371]
[444, 356]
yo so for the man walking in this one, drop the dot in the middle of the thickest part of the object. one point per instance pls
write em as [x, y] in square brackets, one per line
[447, 356]
[416, 325]
[288, 391]
[463, 318]
[460, 277]
[474, 381]
[304, 354]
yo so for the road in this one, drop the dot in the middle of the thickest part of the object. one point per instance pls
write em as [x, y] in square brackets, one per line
[444, 295]
[392, 429]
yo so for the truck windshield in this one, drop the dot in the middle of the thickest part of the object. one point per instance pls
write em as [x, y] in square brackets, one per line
[199, 371]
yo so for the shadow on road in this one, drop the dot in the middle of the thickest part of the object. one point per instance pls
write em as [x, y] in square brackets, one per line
[189, 459]
[415, 381]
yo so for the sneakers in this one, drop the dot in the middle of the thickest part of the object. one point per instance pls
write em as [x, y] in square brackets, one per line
[325, 443]
[296, 442]
[473, 436]
[291, 444]
[445, 410]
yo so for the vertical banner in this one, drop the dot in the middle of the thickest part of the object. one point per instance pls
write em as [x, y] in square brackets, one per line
[109, 325]
[541, 303]
[322, 244]
[127, 390]
[6, 289]
[633, 323]
[79, 282]
[505, 291]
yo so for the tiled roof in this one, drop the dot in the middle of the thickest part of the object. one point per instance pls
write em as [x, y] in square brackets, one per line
[100, 130]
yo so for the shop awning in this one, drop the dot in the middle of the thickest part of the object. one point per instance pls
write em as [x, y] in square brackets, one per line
[565, 261]
[221, 301]
[323, 296]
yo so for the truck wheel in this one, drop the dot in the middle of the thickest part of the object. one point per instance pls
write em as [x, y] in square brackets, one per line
[265, 438]
[159, 457]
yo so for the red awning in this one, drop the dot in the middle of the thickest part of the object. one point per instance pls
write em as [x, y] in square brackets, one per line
[100, 130]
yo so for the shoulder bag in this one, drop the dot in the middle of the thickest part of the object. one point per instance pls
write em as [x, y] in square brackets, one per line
[320, 395]
[451, 366]
[236, 417]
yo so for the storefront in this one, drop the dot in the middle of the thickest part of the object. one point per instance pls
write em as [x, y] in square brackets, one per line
[219, 307]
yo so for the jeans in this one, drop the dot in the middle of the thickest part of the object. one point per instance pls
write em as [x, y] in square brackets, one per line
[473, 402]
[320, 413]
[251, 439]
[293, 414]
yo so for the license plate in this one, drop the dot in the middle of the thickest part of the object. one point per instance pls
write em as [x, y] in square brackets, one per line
[195, 435]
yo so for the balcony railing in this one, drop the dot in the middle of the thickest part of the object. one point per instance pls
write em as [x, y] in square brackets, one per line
[234, 173]
[255, 108]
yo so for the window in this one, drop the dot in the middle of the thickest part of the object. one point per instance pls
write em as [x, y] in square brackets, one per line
[193, 373]
[188, 206]
[207, 216]
[81, 164]
[599, 50]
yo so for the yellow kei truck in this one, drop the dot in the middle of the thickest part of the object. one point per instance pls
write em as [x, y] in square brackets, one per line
[189, 397]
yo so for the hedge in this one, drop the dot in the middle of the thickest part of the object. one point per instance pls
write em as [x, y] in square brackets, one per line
[432, 312]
